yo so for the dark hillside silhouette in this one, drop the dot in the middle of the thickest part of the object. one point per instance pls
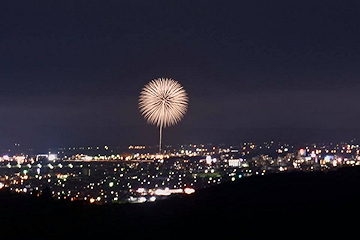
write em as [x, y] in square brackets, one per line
[288, 202]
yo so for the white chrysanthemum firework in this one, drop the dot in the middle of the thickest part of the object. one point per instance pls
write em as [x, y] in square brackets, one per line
[163, 102]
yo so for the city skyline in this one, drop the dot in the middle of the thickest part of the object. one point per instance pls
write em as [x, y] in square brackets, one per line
[139, 175]
[71, 72]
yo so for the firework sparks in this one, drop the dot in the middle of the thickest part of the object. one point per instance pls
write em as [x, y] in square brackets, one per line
[163, 102]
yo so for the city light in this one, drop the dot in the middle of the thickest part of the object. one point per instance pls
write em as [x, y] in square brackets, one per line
[52, 157]
[189, 190]
[140, 177]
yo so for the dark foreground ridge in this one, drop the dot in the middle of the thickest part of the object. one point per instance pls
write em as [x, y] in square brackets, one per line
[266, 205]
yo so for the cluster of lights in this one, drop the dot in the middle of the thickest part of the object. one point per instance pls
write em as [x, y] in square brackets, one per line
[143, 193]
[136, 147]
[145, 177]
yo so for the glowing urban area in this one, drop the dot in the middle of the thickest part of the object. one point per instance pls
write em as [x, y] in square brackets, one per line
[136, 174]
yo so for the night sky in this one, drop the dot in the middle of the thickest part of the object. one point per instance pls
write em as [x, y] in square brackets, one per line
[71, 71]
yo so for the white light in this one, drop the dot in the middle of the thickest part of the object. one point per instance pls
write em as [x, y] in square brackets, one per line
[179, 190]
[141, 199]
[234, 162]
[328, 158]
[140, 190]
[189, 190]
[208, 160]
[52, 157]
[162, 192]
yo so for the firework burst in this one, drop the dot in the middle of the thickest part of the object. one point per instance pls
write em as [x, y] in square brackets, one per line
[163, 102]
